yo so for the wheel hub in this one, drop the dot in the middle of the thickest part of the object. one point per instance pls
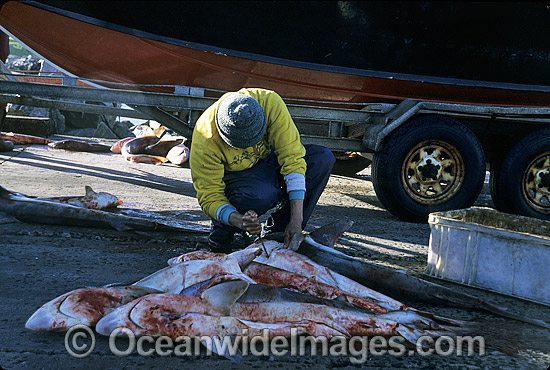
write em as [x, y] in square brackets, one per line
[544, 180]
[429, 171]
[536, 184]
[432, 172]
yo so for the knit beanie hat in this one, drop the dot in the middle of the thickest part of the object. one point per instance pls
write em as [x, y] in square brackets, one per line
[240, 121]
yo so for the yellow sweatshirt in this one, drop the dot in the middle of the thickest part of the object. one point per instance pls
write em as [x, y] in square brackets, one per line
[210, 156]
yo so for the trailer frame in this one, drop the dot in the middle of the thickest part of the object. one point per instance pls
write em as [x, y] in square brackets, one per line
[341, 127]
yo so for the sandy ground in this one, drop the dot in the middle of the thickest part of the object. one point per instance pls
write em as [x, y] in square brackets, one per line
[40, 262]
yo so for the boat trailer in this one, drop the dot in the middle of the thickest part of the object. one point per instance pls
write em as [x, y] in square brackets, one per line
[426, 156]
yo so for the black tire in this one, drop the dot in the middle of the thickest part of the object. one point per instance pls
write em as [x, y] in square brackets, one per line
[521, 184]
[450, 176]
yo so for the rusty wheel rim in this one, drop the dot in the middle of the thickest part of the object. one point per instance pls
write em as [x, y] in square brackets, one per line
[432, 172]
[536, 184]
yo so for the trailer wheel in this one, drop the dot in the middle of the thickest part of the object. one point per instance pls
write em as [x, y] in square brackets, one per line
[522, 183]
[433, 163]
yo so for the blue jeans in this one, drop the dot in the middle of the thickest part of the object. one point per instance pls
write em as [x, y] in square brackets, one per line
[262, 187]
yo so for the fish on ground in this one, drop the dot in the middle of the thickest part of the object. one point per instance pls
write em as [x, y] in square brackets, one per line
[396, 283]
[134, 150]
[269, 275]
[178, 155]
[178, 277]
[157, 133]
[80, 146]
[320, 270]
[208, 294]
[291, 261]
[229, 307]
[137, 145]
[22, 139]
[87, 306]
[285, 268]
[92, 200]
[162, 147]
[117, 147]
[29, 209]
[151, 147]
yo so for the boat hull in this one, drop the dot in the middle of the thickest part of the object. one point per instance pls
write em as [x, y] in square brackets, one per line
[91, 48]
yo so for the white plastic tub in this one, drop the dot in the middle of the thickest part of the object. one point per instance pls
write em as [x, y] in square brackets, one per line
[487, 249]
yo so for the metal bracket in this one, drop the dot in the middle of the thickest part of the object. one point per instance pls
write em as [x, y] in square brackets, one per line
[384, 124]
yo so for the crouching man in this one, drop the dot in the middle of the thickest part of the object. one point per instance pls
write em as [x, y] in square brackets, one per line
[246, 158]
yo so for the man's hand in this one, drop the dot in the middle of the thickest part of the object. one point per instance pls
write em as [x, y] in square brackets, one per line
[293, 235]
[250, 223]
[293, 231]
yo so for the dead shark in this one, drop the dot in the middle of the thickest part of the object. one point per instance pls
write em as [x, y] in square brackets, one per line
[176, 278]
[178, 155]
[162, 147]
[228, 308]
[395, 283]
[87, 306]
[296, 263]
[133, 149]
[148, 132]
[82, 307]
[80, 146]
[92, 200]
[269, 275]
[22, 139]
[29, 209]
[151, 149]
[320, 270]
[285, 268]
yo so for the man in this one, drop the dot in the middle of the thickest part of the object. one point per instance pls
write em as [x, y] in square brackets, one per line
[246, 158]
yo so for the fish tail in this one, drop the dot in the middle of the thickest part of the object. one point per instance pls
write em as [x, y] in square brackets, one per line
[410, 334]
[4, 193]
[441, 319]
[489, 307]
